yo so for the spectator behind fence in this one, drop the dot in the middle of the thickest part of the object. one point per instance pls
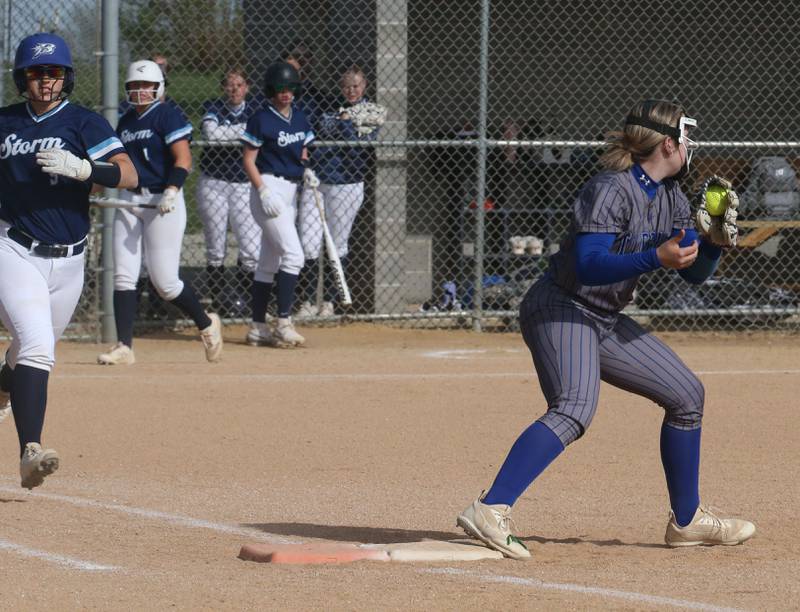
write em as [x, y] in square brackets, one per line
[310, 99]
[223, 195]
[342, 171]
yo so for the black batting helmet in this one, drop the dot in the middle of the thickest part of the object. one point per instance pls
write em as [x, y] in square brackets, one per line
[280, 76]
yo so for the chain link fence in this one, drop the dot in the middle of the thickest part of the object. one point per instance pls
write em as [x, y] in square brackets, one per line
[495, 117]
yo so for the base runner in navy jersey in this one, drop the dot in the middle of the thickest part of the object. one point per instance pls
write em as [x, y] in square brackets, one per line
[156, 136]
[51, 152]
[629, 220]
[223, 192]
[275, 151]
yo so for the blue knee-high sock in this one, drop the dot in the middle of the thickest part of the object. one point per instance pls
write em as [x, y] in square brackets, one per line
[260, 297]
[285, 284]
[533, 451]
[124, 315]
[680, 456]
[190, 306]
[28, 402]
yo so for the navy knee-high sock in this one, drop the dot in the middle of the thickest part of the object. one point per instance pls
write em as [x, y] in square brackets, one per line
[6, 377]
[28, 402]
[124, 315]
[533, 451]
[260, 296]
[190, 306]
[680, 456]
[285, 284]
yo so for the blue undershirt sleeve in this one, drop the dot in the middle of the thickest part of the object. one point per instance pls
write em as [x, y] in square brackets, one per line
[707, 259]
[596, 265]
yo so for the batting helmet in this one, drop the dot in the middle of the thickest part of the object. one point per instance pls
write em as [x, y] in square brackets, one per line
[149, 72]
[280, 76]
[43, 49]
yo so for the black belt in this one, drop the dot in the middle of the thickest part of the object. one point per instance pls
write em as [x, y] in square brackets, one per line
[46, 250]
[292, 179]
[138, 190]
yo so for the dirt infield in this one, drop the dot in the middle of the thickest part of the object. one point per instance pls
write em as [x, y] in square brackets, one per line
[378, 435]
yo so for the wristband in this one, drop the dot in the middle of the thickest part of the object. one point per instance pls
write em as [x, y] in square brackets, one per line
[177, 176]
[106, 174]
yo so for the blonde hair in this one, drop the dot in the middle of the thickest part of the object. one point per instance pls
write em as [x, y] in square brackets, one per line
[635, 143]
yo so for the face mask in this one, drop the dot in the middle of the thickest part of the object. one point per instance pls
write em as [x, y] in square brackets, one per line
[689, 145]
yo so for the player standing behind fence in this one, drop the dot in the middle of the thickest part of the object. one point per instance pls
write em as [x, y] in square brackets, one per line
[156, 137]
[223, 191]
[274, 155]
[51, 154]
[341, 171]
[628, 221]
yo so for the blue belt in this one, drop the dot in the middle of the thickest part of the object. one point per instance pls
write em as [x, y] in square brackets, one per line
[46, 250]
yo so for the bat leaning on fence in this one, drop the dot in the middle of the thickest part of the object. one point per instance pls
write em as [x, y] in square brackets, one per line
[117, 203]
[332, 253]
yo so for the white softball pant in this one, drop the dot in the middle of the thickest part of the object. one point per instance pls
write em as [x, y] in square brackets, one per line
[161, 236]
[37, 298]
[280, 244]
[218, 202]
[341, 204]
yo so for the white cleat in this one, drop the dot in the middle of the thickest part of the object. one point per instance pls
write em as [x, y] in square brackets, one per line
[307, 310]
[5, 410]
[259, 334]
[708, 529]
[119, 354]
[36, 463]
[327, 310]
[492, 526]
[285, 334]
[212, 338]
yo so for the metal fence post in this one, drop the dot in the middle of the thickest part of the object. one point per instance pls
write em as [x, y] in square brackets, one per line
[477, 305]
[110, 100]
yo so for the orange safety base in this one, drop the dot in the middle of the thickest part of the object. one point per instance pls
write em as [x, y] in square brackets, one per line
[310, 553]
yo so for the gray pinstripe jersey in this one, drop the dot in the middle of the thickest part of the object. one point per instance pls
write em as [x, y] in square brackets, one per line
[614, 203]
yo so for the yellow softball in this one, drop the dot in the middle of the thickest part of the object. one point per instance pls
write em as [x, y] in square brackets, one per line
[715, 200]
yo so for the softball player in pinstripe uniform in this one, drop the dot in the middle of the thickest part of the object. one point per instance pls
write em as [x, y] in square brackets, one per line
[223, 191]
[156, 136]
[629, 220]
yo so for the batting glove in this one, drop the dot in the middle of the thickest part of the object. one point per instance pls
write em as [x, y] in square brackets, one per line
[310, 178]
[167, 202]
[64, 163]
[272, 208]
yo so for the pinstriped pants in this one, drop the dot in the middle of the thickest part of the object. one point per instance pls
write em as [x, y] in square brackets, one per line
[574, 347]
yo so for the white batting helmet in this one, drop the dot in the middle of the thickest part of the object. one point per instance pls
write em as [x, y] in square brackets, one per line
[149, 72]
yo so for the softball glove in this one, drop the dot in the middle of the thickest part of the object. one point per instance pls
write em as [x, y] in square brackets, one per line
[719, 229]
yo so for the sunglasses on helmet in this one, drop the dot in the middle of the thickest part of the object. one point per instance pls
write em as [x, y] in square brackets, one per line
[45, 72]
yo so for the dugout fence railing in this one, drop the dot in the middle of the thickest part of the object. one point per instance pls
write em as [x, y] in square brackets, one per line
[495, 117]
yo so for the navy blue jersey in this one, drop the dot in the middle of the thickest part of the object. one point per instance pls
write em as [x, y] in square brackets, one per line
[51, 209]
[615, 203]
[341, 165]
[221, 122]
[147, 138]
[280, 140]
